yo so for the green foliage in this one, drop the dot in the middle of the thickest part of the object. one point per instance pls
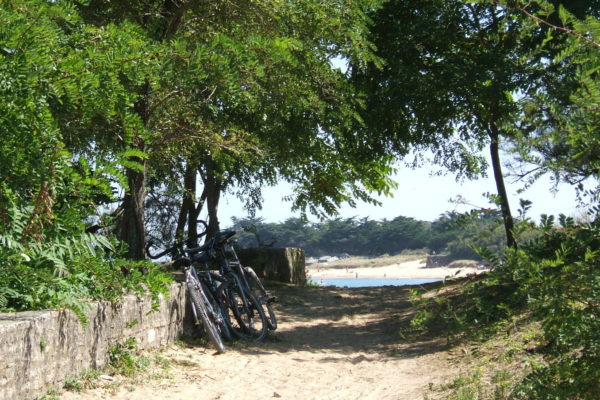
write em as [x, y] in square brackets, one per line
[449, 74]
[452, 233]
[460, 234]
[91, 94]
[337, 236]
[59, 80]
[88, 380]
[60, 270]
[553, 277]
[558, 274]
[560, 123]
[51, 395]
[123, 360]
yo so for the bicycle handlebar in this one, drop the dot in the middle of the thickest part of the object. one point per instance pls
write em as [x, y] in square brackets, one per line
[219, 237]
[203, 223]
[172, 249]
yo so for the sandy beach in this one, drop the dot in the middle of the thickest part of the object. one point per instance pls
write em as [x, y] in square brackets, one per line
[404, 270]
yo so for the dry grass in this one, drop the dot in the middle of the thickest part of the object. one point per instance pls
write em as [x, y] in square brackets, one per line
[491, 368]
[490, 360]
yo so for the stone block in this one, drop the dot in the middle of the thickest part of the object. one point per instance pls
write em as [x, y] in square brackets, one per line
[277, 264]
[437, 260]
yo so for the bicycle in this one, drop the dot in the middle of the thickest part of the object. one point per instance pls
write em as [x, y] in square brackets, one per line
[245, 314]
[251, 280]
[205, 308]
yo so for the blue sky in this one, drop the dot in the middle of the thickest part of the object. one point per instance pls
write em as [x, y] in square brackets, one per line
[419, 196]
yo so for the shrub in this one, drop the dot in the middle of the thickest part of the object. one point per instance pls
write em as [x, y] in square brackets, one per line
[554, 277]
[65, 267]
[559, 274]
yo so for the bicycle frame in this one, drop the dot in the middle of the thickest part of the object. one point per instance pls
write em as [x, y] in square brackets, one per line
[236, 266]
[231, 288]
[192, 278]
[225, 278]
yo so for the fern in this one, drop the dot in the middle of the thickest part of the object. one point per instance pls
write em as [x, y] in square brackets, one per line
[65, 269]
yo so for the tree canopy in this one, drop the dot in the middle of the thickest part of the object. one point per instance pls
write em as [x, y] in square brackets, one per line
[132, 93]
[137, 105]
[455, 76]
[452, 233]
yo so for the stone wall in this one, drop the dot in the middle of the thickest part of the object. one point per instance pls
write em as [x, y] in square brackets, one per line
[276, 264]
[40, 349]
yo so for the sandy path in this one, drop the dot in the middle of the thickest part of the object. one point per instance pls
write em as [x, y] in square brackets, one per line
[331, 344]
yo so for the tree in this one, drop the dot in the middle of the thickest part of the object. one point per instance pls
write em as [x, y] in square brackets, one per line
[44, 73]
[52, 76]
[562, 116]
[338, 235]
[451, 74]
[246, 94]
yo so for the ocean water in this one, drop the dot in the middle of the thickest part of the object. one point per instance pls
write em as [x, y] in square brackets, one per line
[369, 282]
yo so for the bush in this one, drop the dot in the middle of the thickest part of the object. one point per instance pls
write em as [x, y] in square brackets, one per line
[559, 274]
[554, 278]
[63, 267]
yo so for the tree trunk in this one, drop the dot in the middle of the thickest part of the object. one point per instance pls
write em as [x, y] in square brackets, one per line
[187, 203]
[212, 185]
[131, 224]
[181, 219]
[499, 178]
[193, 217]
[131, 228]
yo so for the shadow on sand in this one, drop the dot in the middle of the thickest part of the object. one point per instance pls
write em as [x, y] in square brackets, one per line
[343, 322]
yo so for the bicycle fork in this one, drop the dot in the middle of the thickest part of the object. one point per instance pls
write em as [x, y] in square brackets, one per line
[212, 313]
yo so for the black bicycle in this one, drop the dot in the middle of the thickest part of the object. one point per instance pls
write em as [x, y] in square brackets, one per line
[206, 309]
[250, 279]
[245, 314]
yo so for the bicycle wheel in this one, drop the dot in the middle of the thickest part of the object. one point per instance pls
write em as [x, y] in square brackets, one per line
[245, 315]
[264, 297]
[200, 311]
[217, 313]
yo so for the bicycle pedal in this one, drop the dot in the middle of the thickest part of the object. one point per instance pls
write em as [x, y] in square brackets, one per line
[267, 299]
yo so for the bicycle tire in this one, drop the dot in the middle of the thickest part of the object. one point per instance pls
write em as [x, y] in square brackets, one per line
[199, 305]
[221, 321]
[246, 317]
[265, 299]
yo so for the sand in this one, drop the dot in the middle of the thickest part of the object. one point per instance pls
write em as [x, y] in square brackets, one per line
[331, 344]
[405, 270]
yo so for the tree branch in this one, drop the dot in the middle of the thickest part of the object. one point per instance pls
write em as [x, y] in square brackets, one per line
[555, 27]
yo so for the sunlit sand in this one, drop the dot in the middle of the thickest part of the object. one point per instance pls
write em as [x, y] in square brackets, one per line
[408, 270]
